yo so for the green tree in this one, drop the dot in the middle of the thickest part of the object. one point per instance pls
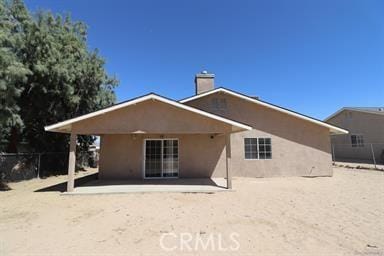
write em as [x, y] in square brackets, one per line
[13, 73]
[61, 78]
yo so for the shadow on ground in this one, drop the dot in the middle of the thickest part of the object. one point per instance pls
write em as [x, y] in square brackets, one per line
[93, 181]
[176, 182]
[62, 187]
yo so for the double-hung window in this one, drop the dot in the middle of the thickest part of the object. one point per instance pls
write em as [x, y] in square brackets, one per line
[257, 148]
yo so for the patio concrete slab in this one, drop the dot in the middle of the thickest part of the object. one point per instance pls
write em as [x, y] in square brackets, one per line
[151, 186]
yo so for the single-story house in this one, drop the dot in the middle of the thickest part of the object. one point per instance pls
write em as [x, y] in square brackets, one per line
[365, 143]
[215, 133]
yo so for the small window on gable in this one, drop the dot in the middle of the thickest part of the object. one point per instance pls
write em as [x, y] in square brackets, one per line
[357, 141]
[219, 105]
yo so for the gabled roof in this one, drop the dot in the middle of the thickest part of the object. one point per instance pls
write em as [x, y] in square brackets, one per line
[332, 128]
[370, 110]
[59, 127]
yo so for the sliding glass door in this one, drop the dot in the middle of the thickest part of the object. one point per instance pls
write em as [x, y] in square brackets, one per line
[161, 158]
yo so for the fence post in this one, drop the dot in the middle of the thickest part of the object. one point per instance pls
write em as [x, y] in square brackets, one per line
[38, 167]
[373, 156]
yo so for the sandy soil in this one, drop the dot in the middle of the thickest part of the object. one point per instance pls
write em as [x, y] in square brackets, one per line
[340, 215]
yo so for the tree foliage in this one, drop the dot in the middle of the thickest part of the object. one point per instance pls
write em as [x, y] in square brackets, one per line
[47, 74]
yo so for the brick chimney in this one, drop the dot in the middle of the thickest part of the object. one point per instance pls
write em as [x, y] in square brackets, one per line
[204, 82]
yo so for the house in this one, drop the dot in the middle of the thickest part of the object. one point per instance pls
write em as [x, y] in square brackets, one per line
[215, 133]
[366, 139]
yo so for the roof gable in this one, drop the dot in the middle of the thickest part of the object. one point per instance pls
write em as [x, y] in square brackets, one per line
[333, 129]
[66, 125]
[369, 110]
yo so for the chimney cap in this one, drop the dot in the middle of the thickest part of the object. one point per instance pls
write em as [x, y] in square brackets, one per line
[205, 74]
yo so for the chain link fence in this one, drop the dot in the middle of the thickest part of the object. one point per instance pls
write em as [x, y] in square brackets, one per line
[24, 166]
[367, 153]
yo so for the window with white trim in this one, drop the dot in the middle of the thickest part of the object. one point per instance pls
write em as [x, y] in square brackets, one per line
[257, 148]
[250, 147]
[357, 141]
[265, 148]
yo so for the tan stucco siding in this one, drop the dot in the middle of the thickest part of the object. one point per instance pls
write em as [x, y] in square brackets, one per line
[299, 148]
[371, 126]
[152, 117]
[200, 156]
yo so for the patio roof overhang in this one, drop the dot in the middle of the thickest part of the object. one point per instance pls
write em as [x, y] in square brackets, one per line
[148, 114]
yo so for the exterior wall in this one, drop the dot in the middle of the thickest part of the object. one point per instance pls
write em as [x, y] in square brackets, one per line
[371, 126]
[299, 148]
[121, 156]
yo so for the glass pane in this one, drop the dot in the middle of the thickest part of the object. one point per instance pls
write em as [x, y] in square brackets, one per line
[153, 158]
[170, 158]
[250, 148]
[265, 148]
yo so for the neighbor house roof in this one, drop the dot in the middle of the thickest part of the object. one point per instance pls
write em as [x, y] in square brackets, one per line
[370, 110]
[65, 126]
[332, 128]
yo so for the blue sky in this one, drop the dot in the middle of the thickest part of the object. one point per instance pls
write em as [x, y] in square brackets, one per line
[313, 56]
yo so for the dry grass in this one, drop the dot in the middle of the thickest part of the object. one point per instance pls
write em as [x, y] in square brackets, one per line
[340, 215]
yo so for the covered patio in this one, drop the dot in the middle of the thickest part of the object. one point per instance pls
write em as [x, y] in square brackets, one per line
[153, 144]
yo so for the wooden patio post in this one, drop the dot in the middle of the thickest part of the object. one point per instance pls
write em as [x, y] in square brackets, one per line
[228, 159]
[72, 163]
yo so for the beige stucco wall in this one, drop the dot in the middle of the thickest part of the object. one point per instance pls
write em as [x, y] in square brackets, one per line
[371, 126]
[299, 148]
[151, 117]
[200, 155]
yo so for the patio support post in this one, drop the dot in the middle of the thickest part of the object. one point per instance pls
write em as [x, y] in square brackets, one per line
[228, 160]
[71, 163]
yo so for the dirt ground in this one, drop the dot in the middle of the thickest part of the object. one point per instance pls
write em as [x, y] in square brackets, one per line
[340, 215]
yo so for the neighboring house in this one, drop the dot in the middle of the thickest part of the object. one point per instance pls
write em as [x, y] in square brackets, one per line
[366, 133]
[215, 133]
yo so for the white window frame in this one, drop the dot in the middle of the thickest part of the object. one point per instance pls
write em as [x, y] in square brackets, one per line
[162, 146]
[258, 149]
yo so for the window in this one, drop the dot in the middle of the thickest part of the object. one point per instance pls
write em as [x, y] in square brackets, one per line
[257, 148]
[357, 141]
[219, 105]
[265, 150]
[250, 146]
